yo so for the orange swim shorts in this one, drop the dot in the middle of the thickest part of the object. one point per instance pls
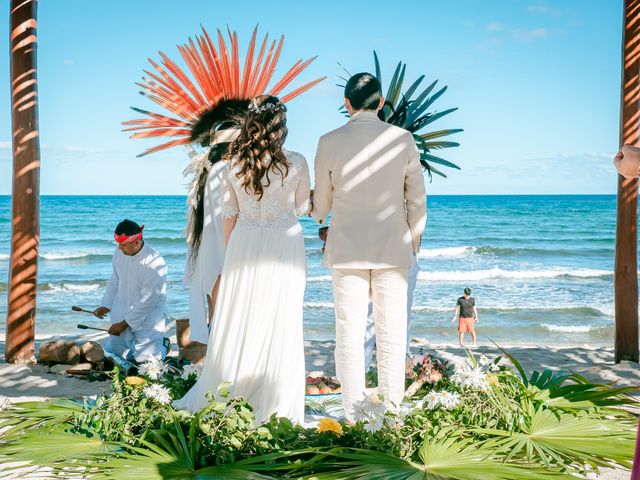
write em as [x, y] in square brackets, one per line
[465, 324]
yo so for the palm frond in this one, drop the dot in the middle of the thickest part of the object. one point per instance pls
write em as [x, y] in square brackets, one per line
[561, 439]
[442, 459]
[410, 110]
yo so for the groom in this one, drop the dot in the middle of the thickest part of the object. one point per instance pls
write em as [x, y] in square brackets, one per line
[368, 175]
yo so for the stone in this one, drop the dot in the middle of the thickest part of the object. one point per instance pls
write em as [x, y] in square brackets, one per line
[182, 332]
[60, 368]
[79, 369]
[195, 352]
[92, 352]
[59, 351]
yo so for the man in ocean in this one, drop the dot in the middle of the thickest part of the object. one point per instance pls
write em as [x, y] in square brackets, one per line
[135, 297]
[467, 314]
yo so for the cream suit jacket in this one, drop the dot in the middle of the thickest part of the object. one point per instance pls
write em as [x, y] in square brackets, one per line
[368, 174]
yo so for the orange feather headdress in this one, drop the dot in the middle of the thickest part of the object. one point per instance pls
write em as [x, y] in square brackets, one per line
[213, 76]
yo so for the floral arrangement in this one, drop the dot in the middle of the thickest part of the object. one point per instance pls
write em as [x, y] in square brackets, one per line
[478, 420]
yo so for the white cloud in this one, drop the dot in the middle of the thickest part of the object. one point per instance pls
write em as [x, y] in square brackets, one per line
[82, 150]
[68, 62]
[494, 27]
[6, 145]
[527, 36]
[542, 9]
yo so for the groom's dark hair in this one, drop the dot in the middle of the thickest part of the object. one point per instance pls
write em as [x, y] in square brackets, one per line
[363, 91]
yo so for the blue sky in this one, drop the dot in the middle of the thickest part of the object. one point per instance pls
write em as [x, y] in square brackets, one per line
[536, 83]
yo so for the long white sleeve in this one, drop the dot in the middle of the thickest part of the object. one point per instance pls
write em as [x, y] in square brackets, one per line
[323, 192]
[111, 290]
[303, 188]
[152, 289]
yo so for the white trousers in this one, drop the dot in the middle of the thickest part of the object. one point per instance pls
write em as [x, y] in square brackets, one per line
[141, 346]
[370, 333]
[387, 288]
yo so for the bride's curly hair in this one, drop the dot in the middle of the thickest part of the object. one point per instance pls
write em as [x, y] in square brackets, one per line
[258, 148]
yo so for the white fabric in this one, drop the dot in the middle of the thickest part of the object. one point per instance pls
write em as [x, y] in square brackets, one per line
[368, 175]
[200, 275]
[388, 290]
[137, 293]
[370, 333]
[256, 340]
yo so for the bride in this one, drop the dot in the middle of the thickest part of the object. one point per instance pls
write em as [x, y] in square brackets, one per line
[256, 339]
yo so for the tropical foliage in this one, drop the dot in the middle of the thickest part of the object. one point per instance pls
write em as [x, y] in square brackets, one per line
[411, 110]
[480, 420]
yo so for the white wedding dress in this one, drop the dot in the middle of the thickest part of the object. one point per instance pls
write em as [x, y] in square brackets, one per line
[256, 340]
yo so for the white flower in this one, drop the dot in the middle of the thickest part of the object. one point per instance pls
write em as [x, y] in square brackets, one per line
[443, 399]
[374, 424]
[470, 377]
[189, 369]
[449, 400]
[370, 410]
[432, 400]
[158, 393]
[153, 369]
[484, 361]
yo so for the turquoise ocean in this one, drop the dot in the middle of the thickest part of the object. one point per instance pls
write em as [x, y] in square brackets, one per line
[541, 267]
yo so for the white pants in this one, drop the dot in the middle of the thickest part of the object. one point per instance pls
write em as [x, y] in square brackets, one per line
[387, 288]
[141, 346]
[370, 333]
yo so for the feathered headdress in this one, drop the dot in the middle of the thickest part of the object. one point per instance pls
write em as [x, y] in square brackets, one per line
[213, 75]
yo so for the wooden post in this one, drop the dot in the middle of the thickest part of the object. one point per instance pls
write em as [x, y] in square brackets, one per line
[25, 196]
[626, 263]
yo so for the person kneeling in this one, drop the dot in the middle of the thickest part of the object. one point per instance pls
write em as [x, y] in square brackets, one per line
[135, 297]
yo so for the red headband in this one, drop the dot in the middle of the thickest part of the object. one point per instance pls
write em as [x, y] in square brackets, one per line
[124, 239]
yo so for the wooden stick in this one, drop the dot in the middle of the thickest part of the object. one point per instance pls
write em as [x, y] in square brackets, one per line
[87, 327]
[78, 309]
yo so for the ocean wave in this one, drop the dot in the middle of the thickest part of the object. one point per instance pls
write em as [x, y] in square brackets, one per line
[495, 273]
[319, 278]
[4, 256]
[546, 252]
[71, 287]
[577, 310]
[319, 305]
[570, 328]
[445, 252]
[66, 255]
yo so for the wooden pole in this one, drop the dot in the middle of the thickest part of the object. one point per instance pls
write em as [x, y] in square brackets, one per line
[25, 196]
[626, 263]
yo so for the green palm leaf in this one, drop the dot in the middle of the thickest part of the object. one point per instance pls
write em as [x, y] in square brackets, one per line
[440, 133]
[24, 416]
[405, 111]
[443, 458]
[559, 439]
[155, 463]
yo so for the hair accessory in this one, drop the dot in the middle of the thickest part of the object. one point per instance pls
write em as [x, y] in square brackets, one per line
[267, 107]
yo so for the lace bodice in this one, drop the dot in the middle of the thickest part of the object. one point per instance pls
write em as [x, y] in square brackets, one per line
[281, 203]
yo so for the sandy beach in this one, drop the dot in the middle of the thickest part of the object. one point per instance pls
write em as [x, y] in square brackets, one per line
[31, 382]
[594, 362]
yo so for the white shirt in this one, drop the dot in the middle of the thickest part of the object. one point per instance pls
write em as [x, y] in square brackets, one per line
[137, 290]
